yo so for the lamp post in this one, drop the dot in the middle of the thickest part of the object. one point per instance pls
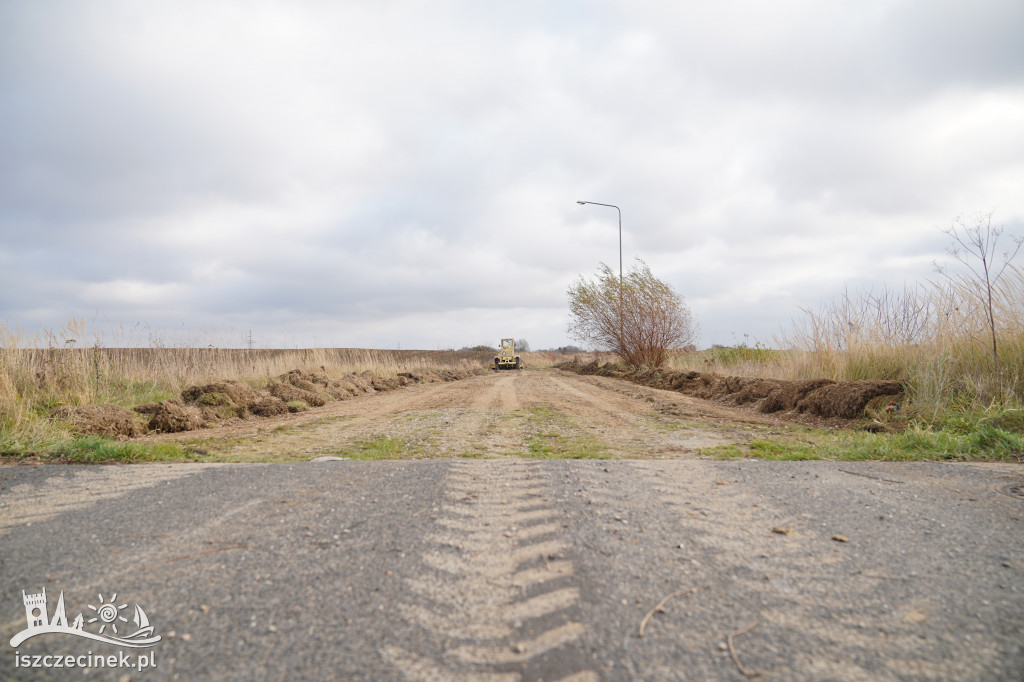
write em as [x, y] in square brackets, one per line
[581, 203]
[595, 203]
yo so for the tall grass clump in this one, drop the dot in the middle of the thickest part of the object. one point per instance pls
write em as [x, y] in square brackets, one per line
[75, 365]
[956, 341]
[938, 337]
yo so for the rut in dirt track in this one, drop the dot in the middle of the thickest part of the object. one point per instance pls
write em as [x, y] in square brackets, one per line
[532, 413]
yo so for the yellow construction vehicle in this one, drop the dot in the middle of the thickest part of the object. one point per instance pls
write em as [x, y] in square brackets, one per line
[506, 357]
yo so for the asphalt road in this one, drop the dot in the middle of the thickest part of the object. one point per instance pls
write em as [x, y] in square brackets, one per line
[461, 569]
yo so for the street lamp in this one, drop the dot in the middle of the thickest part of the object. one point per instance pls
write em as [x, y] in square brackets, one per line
[595, 203]
[581, 203]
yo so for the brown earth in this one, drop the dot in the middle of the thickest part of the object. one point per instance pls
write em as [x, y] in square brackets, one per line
[498, 414]
[101, 420]
[817, 397]
[581, 411]
[211, 405]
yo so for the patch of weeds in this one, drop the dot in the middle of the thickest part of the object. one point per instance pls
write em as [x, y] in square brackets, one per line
[743, 353]
[554, 436]
[297, 405]
[95, 450]
[782, 450]
[990, 438]
[980, 442]
[724, 452]
[561, 446]
[983, 442]
[967, 422]
[381, 447]
[128, 393]
[48, 441]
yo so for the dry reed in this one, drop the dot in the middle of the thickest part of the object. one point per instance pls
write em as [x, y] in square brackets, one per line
[41, 372]
[934, 336]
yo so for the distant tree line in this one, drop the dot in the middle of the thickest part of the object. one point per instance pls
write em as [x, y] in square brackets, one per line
[524, 346]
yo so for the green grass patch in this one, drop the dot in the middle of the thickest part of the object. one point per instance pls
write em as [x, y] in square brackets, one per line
[666, 424]
[94, 449]
[99, 450]
[552, 435]
[736, 355]
[381, 447]
[297, 405]
[726, 452]
[978, 442]
[780, 450]
[562, 446]
[127, 393]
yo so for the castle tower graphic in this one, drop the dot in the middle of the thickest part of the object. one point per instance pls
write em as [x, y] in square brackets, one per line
[35, 609]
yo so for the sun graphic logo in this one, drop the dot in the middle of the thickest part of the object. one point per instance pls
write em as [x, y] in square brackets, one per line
[108, 614]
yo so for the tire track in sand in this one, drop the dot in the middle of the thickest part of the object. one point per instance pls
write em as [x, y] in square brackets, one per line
[474, 423]
[497, 588]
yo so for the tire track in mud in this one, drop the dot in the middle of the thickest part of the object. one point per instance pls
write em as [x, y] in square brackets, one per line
[497, 589]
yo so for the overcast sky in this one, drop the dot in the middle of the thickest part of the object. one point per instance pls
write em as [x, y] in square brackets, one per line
[405, 173]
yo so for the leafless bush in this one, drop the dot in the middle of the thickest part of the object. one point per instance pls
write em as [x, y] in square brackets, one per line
[640, 318]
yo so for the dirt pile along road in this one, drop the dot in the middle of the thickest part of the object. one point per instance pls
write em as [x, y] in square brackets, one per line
[536, 413]
[211, 405]
[815, 397]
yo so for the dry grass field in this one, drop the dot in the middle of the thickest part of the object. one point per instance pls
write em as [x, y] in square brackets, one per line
[960, 369]
[41, 374]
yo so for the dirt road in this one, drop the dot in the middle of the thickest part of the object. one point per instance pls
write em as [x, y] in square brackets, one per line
[507, 414]
[506, 568]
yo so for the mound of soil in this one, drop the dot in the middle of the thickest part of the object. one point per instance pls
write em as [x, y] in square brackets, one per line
[289, 392]
[269, 407]
[308, 381]
[340, 390]
[361, 382]
[205, 405]
[848, 399]
[236, 392]
[172, 416]
[101, 420]
[787, 395]
[819, 397]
